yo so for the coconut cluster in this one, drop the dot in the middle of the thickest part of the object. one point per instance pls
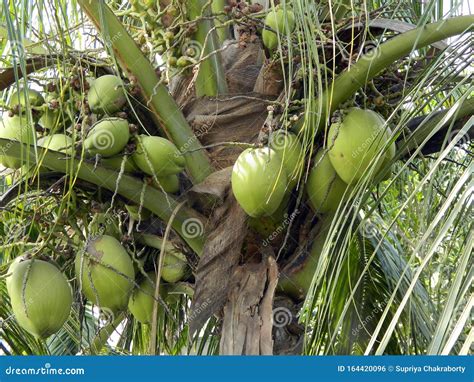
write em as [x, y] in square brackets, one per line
[39, 292]
[358, 148]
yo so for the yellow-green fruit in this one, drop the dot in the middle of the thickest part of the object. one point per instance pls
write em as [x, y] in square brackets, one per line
[175, 267]
[280, 21]
[108, 137]
[105, 271]
[20, 98]
[291, 152]
[259, 181]
[324, 188]
[169, 184]
[355, 142]
[141, 300]
[40, 295]
[57, 142]
[54, 119]
[158, 156]
[106, 95]
[17, 129]
[115, 163]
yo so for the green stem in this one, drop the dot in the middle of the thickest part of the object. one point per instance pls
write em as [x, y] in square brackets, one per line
[159, 203]
[211, 79]
[217, 8]
[164, 107]
[356, 76]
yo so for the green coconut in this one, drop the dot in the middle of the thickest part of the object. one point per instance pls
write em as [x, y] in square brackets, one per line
[40, 296]
[291, 152]
[259, 181]
[141, 300]
[281, 21]
[325, 189]
[26, 98]
[17, 129]
[115, 163]
[54, 119]
[106, 95]
[272, 226]
[175, 267]
[108, 137]
[355, 142]
[105, 271]
[57, 142]
[158, 156]
[169, 184]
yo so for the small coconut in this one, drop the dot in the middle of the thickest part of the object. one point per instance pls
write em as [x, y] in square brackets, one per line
[108, 137]
[324, 188]
[15, 128]
[158, 156]
[281, 21]
[106, 95]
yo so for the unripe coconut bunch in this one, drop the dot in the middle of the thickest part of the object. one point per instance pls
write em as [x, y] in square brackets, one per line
[40, 296]
[280, 20]
[105, 272]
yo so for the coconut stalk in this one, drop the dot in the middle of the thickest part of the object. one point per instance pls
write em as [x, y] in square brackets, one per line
[165, 110]
[369, 65]
[222, 32]
[211, 79]
[131, 188]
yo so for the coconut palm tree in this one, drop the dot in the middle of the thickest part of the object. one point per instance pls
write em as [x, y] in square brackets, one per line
[296, 177]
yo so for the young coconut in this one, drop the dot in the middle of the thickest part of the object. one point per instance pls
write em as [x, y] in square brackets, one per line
[108, 137]
[355, 142]
[291, 152]
[324, 188]
[53, 118]
[175, 267]
[158, 156]
[106, 95]
[24, 98]
[142, 300]
[279, 20]
[105, 272]
[259, 181]
[57, 142]
[17, 129]
[40, 295]
[169, 184]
